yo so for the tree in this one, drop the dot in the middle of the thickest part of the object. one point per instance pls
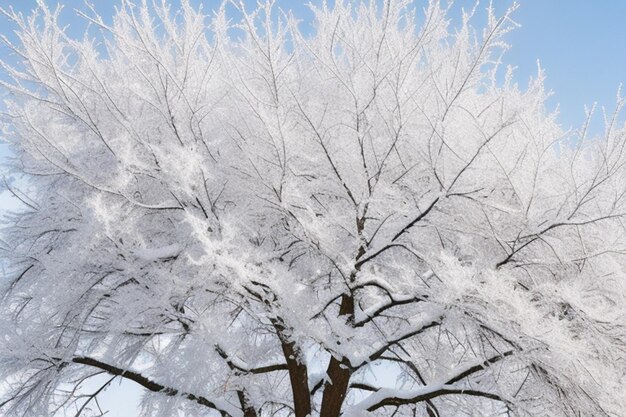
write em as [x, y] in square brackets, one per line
[248, 220]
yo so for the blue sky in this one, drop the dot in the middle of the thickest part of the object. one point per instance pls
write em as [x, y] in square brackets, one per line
[580, 44]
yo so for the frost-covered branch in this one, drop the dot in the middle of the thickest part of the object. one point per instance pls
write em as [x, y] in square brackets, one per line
[147, 383]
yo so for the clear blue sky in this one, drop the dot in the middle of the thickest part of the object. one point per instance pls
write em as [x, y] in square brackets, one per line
[580, 44]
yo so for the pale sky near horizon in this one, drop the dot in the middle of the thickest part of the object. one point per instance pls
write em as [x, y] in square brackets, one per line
[580, 44]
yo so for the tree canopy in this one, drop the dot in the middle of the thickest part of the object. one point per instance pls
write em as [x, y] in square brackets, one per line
[247, 219]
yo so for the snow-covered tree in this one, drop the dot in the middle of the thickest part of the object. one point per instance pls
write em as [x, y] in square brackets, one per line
[248, 219]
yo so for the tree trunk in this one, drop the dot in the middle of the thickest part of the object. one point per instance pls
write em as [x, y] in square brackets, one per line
[339, 372]
[298, 372]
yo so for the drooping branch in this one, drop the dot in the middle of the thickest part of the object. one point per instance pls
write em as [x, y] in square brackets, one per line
[154, 386]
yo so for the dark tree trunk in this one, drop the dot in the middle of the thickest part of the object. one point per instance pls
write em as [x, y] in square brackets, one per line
[339, 371]
[298, 372]
[336, 389]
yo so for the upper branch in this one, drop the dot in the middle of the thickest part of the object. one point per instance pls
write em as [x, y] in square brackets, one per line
[398, 234]
[389, 343]
[247, 370]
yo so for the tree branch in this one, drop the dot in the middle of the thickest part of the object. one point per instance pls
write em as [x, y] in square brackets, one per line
[381, 309]
[152, 385]
[257, 370]
[479, 367]
[425, 395]
[376, 355]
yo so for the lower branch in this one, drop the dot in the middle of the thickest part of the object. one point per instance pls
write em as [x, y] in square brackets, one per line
[395, 398]
[154, 386]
